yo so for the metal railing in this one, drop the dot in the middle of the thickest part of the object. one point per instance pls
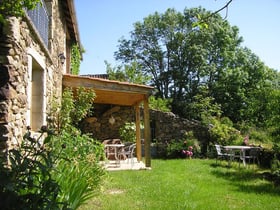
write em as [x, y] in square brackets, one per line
[40, 18]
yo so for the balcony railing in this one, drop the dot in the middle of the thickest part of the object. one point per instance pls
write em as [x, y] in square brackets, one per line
[40, 19]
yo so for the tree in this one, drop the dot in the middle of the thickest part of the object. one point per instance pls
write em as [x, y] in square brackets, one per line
[179, 57]
[241, 85]
[183, 59]
[128, 73]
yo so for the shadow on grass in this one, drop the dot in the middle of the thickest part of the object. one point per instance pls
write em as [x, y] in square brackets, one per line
[247, 180]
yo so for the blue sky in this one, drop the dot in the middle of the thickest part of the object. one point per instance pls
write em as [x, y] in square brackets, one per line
[103, 22]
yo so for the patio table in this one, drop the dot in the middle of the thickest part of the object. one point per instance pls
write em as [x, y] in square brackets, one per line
[241, 149]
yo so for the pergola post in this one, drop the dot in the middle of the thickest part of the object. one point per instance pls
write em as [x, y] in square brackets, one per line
[138, 132]
[147, 133]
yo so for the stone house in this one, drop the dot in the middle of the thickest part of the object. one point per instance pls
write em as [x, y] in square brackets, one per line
[35, 52]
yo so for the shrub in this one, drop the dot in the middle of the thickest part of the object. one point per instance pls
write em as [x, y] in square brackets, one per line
[160, 104]
[222, 132]
[26, 182]
[275, 165]
[128, 132]
[78, 171]
[181, 148]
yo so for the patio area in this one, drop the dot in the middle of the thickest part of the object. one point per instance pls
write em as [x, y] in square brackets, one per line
[128, 164]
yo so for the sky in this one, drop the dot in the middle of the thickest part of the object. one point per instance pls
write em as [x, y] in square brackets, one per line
[102, 23]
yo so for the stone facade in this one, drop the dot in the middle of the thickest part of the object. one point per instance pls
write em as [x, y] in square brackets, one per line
[27, 66]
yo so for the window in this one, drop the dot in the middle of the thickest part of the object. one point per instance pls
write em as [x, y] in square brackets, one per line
[40, 18]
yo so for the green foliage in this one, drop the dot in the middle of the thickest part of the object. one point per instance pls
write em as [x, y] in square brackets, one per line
[171, 52]
[273, 113]
[175, 147]
[74, 184]
[78, 171]
[27, 182]
[63, 113]
[75, 59]
[213, 77]
[222, 132]
[82, 103]
[159, 104]
[51, 172]
[15, 7]
[77, 147]
[259, 136]
[204, 107]
[275, 165]
[128, 73]
[128, 132]
[73, 108]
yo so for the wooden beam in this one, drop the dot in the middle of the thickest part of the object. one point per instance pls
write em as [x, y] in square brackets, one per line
[147, 133]
[138, 132]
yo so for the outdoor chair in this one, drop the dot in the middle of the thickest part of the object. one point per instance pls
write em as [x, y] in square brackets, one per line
[253, 155]
[128, 153]
[222, 154]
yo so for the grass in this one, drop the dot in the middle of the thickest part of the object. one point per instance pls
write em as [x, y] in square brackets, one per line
[187, 184]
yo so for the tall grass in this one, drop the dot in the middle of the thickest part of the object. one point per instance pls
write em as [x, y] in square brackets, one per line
[187, 184]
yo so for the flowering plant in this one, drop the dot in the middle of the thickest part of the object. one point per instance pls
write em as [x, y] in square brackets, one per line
[188, 152]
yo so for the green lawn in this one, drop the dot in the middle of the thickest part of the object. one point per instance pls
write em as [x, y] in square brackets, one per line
[187, 184]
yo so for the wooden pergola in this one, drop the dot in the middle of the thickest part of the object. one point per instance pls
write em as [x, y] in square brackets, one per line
[120, 93]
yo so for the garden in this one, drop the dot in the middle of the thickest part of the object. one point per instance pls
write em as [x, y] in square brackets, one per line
[217, 82]
[187, 184]
[60, 169]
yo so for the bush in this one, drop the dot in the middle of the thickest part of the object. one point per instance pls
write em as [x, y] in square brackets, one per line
[222, 132]
[59, 172]
[160, 104]
[180, 148]
[128, 132]
[26, 181]
[275, 165]
[78, 171]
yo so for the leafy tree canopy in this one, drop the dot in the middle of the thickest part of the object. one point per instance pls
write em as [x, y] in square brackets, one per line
[184, 59]
[128, 73]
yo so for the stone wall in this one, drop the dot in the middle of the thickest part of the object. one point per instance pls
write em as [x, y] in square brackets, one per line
[17, 37]
[99, 126]
[164, 126]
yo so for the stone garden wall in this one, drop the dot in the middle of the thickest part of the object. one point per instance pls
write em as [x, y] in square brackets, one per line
[165, 126]
[98, 125]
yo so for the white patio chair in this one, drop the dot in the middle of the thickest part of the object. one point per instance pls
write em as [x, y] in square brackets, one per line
[221, 154]
[128, 152]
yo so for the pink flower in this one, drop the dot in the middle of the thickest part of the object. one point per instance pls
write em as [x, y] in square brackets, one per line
[189, 153]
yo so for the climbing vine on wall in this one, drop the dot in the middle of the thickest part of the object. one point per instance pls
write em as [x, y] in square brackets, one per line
[15, 7]
[75, 59]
